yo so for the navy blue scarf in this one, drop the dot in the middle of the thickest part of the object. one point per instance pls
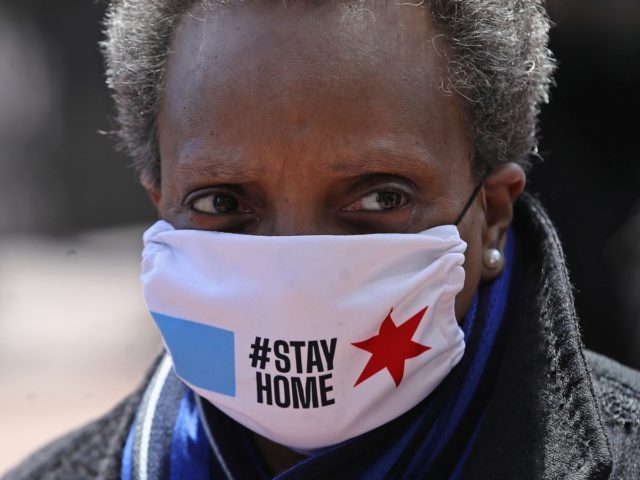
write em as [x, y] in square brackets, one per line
[177, 436]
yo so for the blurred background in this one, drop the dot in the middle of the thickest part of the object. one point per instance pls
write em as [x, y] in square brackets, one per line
[74, 334]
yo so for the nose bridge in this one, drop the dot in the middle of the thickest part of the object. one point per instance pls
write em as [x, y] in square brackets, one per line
[296, 206]
[296, 217]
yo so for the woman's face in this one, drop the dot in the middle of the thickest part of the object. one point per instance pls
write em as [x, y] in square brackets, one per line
[294, 119]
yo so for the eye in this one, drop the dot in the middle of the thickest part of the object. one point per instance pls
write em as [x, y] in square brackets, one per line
[218, 204]
[378, 202]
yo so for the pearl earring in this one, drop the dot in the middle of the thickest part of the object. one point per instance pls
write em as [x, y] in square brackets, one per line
[492, 258]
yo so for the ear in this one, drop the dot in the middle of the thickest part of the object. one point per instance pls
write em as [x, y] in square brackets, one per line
[501, 189]
[153, 191]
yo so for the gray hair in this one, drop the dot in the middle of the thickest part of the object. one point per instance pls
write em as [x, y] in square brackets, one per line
[497, 61]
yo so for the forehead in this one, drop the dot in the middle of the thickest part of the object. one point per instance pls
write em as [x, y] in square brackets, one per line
[249, 35]
[282, 70]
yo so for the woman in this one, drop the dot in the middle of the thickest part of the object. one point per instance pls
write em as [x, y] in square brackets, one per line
[347, 276]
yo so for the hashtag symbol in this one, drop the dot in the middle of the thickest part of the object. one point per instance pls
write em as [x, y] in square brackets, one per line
[260, 355]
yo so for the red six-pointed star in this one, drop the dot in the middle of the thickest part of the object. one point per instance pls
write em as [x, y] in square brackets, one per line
[391, 347]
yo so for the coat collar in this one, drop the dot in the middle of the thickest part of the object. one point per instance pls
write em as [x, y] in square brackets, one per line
[542, 420]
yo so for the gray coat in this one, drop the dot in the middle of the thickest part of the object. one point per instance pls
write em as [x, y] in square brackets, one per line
[556, 411]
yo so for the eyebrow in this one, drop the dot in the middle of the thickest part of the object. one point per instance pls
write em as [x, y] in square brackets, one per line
[386, 155]
[380, 157]
[381, 162]
[219, 167]
[218, 162]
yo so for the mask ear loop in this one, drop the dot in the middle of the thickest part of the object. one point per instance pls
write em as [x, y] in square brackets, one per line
[534, 158]
[472, 198]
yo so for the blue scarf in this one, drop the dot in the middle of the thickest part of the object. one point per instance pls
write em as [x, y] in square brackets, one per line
[176, 436]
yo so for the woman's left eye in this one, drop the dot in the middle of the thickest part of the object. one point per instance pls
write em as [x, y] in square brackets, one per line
[378, 202]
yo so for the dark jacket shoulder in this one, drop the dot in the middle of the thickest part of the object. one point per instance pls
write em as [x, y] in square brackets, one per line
[618, 391]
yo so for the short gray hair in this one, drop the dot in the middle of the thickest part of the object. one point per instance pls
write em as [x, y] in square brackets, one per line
[496, 50]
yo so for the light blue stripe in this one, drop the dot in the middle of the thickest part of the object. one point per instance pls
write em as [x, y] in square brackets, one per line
[202, 355]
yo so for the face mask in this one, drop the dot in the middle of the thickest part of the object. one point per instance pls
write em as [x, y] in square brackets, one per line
[307, 340]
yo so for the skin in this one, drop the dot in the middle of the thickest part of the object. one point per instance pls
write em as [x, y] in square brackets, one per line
[290, 119]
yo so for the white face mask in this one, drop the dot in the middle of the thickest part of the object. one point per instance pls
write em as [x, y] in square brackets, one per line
[307, 340]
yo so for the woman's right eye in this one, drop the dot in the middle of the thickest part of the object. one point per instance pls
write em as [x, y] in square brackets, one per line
[218, 204]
